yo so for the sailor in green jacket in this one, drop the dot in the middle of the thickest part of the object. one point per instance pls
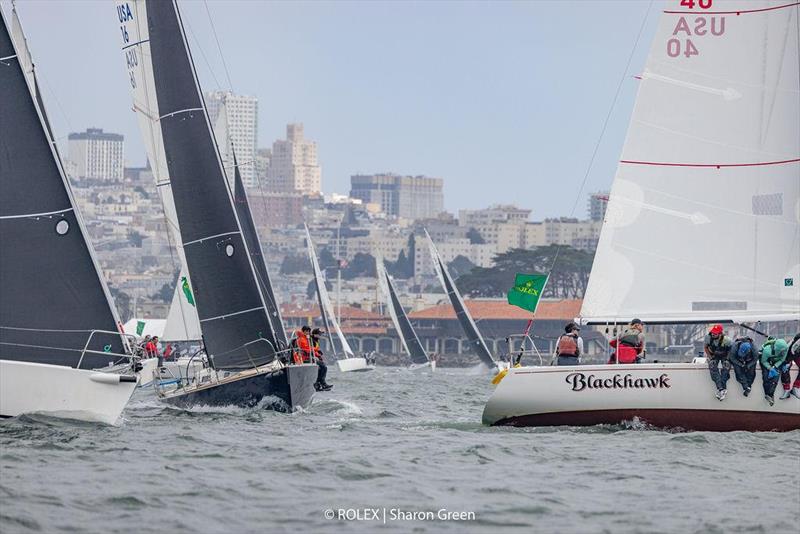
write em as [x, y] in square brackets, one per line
[773, 354]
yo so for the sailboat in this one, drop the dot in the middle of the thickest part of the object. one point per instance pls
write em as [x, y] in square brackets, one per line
[408, 336]
[703, 224]
[476, 342]
[246, 360]
[61, 349]
[348, 362]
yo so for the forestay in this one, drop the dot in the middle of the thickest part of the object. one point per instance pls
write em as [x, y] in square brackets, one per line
[236, 330]
[703, 219]
[325, 306]
[474, 337]
[55, 307]
[408, 335]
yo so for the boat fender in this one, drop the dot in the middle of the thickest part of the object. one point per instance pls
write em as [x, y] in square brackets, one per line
[111, 378]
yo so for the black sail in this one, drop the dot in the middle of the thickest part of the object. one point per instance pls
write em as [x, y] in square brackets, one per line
[257, 255]
[236, 329]
[474, 337]
[412, 343]
[51, 295]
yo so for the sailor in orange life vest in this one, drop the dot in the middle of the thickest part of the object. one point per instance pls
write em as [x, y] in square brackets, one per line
[301, 347]
[569, 346]
[631, 344]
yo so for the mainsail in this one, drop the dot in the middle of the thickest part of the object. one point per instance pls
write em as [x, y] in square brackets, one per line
[236, 329]
[474, 337]
[325, 306]
[408, 336]
[703, 218]
[53, 296]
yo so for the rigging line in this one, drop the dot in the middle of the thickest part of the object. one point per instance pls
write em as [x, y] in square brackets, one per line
[709, 165]
[200, 48]
[605, 125]
[219, 48]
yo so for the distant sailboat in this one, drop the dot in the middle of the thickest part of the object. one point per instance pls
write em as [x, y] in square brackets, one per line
[476, 342]
[61, 350]
[411, 343]
[349, 361]
[244, 350]
[702, 226]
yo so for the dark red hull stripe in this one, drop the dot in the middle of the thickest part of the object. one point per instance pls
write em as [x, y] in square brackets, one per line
[711, 420]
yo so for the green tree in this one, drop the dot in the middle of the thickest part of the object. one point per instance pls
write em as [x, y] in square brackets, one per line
[135, 238]
[460, 266]
[475, 237]
[361, 265]
[295, 263]
[568, 278]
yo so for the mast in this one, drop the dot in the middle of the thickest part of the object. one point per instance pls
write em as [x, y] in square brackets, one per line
[476, 342]
[702, 220]
[53, 294]
[235, 326]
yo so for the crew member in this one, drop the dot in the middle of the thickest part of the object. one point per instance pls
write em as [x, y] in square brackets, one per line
[793, 356]
[743, 358]
[569, 345]
[630, 345]
[320, 384]
[717, 346]
[773, 355]
[301, 348]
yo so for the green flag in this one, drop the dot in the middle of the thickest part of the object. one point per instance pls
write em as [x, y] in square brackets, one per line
[139, 327]
[527, 291]
[187, 290]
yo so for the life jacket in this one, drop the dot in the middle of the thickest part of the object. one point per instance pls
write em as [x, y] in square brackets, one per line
[568, 345]
[301, 349]
[624, 353]
[317, 350]
[718, 346]
[630, 337]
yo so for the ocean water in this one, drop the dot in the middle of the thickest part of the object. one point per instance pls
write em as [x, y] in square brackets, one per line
[392, 450]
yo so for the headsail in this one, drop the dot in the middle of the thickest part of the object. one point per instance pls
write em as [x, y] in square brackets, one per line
[408, 336]
[182, 323]
[236, 329]
[703, 219]
[53, 295]
[474, 337]
[257, 255]
[325, 306]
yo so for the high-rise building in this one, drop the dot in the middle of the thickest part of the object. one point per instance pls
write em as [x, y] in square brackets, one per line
[598, 202]
[405, 197]
[96, 154]
[293, 165]
[242, 130]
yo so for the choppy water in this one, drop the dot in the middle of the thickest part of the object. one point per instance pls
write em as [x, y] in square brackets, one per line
[392, 439]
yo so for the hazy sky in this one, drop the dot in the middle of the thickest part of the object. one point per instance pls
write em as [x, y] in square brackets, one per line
[505, 101]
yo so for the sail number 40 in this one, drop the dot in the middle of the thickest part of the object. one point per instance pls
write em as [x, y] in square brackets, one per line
[674, 48]
[702, 4]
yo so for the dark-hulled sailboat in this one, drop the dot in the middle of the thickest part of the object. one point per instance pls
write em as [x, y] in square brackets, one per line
[246, 364]
[408, 336]
[61, 351]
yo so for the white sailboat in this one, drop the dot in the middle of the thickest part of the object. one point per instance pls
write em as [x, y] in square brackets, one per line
[408, 336]
[61, 349]
[703, 223]
[348, 361]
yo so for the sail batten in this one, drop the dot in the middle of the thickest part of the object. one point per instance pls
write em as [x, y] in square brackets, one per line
[703, 217]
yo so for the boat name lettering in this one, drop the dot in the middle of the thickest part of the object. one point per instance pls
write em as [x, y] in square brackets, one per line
[580, 381]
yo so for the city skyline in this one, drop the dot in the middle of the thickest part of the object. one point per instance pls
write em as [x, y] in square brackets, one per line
[497, 101]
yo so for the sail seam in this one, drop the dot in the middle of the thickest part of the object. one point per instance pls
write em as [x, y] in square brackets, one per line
[28, 215]
[231, 314]
[711, 165]
[208, 237]
[179, 112]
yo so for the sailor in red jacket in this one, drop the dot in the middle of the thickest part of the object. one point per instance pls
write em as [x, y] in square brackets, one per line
[630, 345]
[301, 346]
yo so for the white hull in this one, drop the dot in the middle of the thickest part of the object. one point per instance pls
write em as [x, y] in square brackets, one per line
[57, 391]
[349, 365]
[665, 395]
[148, 372]
[415, 366]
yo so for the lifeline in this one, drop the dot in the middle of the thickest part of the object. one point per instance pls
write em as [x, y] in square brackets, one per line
[580, 381]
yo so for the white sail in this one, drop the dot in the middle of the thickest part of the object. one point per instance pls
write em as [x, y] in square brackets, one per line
[324, 298]
[145, 104]
[703, 219]
[182, 323]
